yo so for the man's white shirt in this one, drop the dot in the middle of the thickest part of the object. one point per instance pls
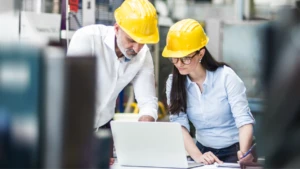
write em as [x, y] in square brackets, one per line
[114, 74]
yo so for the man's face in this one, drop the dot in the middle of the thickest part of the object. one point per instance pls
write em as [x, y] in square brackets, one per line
[126, 44]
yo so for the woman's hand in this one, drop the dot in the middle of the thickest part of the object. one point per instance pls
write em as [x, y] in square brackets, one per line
[111, 161]
[209, 158]
[248, 158]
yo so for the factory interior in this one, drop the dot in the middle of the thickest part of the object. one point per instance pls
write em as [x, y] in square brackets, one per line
[72, 97]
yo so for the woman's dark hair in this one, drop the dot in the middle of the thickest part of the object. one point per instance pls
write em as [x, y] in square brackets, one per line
[178, 100]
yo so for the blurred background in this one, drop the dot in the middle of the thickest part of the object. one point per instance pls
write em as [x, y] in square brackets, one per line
[37, 82]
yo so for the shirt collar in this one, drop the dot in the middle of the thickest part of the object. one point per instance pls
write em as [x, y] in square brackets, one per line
[188, 81]
[110, 41]
[110, 38]
[208, 79]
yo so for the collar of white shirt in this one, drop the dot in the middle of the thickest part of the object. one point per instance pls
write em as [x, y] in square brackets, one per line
[110, 39]
[110, 42]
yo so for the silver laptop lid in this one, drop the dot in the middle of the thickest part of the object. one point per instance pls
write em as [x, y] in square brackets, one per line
[152, 144]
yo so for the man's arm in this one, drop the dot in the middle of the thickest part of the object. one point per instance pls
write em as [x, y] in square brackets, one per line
[81, 44]
[144, 90]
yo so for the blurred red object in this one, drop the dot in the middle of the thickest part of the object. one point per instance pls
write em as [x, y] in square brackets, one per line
[73, 5]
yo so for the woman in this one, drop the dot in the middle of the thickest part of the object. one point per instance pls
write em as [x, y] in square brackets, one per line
[210, 95]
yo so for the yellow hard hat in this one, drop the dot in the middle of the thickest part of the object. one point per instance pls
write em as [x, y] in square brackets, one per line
[139, 20]
[184, 37]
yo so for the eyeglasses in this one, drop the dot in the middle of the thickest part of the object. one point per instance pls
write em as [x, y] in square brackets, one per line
[185, 60]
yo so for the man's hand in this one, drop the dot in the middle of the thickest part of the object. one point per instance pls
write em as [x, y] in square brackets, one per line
[146, 118]
[248, 158]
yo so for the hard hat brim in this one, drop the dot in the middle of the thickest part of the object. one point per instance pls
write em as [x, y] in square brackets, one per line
[150, 39]
[176, 54]
[182, 53]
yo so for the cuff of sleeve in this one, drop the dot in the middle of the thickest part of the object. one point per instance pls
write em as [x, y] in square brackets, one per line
[152, 113]
[244, 122]
[186, 126]
[181, 119]
[246, 119]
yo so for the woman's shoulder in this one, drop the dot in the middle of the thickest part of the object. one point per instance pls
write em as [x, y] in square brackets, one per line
[230, 76]
[225, 71]
[225, 74]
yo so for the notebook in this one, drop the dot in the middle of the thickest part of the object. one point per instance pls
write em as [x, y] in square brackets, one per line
[228, 165]
[150, 144]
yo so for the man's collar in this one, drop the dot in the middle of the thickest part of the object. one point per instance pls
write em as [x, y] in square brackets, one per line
[110, 38]
[110, 41]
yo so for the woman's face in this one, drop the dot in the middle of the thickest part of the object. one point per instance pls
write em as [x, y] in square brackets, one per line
[189, 63]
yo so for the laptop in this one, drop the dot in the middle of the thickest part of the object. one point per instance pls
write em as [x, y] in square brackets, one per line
[150, 144]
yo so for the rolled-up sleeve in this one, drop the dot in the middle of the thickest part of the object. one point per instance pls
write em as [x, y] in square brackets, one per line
[144, 89]
[181, 118]
[237, 98]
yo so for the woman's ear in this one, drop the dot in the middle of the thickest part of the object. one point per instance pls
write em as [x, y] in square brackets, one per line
[202, 52]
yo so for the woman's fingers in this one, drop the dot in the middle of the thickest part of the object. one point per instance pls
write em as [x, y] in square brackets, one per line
[111, 161]
[239, 154]
[210, 158]
[248, 158]
[216, 159]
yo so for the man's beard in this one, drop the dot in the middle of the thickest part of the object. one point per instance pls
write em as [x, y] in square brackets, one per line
[128, 53]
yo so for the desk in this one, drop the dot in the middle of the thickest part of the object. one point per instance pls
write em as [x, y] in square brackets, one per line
[116, 166]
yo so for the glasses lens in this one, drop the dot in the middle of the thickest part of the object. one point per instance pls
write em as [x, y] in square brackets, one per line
[186, 60]
[174, 60]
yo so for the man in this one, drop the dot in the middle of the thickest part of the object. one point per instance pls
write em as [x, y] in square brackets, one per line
[122, 58]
